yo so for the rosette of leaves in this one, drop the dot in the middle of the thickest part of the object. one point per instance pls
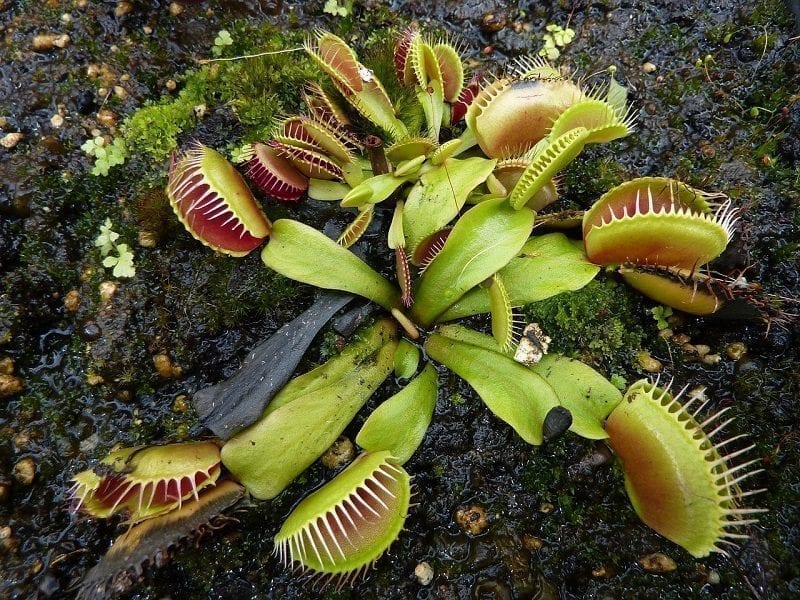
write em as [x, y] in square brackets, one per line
[488, 245]
[451, 261]
[511, 143]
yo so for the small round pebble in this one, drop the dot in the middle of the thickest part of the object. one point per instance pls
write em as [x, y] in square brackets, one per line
[472, 519]
[10, 385]
[657, 563]
[735, 350]
[648, 363]
[72, 300]
[165, 368]
[25, 471]
[107, 291]
[341, 452]
[6, 365]
[147, 239]
[90, 331]
[9, 140]
[424, 573]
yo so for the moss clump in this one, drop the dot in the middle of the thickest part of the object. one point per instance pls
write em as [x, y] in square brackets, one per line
[593, 324]
[587, 179]
[769, 13]
[154, 129]
[254, 88]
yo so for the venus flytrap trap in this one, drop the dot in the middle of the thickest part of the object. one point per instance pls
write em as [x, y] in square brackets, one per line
[145, 482]
[679, 480]
[460, 183]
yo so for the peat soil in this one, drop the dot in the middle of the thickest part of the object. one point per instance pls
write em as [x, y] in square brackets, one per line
[88, 360]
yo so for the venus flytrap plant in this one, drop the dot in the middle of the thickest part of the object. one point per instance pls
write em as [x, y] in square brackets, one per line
[454, 260]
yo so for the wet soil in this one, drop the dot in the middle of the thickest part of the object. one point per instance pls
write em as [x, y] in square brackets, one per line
[717, 107]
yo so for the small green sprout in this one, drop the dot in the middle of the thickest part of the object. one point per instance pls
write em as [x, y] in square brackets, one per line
[618, 381]
[555, 38]
[240, 154]
[660, 314]
[107, 242]
[123, 264]
[106, 155]
[107, 238]
[223, 39]
[332, 7]
[457, 399]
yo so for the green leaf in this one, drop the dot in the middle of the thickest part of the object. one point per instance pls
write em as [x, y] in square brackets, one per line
[463, 334]
[588, 395]
[326, 190]
[512, 392]
[546, 266]
[105, 241]
[373, 190]
[439, 196]
[124, 265]
[332, 8]
[482, 242]
[304, 254]
[223, 38]
[617, 95]
[406, 360]
[400, 422]
[299, 427]
[89, 147]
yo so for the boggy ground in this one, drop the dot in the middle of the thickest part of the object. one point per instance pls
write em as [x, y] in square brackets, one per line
[715, 87]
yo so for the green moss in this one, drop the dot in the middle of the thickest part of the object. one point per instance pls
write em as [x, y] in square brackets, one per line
[257, 89]
[771, 14]
[153, 129]
[591, 176]
[457, 399]
[596, 324]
